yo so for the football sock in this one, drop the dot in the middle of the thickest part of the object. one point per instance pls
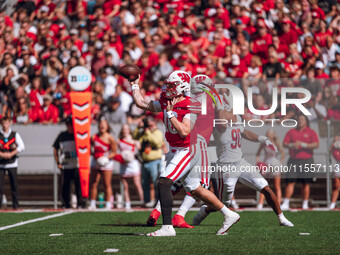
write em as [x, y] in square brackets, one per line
[166, 198]
[128, 205]
[225, 211]
[93, 202]
[281, 217]
[188, 202]
[286, 202]
[332, 206]
[158, 206]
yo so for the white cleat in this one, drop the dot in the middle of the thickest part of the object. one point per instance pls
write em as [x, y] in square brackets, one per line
[232, 219]
[166, 230]
[286, 223]
[200, 216]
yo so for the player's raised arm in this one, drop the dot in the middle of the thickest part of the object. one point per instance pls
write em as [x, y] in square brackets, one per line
[139, 99]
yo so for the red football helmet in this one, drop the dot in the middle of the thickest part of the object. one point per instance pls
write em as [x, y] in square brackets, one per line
[176, 84]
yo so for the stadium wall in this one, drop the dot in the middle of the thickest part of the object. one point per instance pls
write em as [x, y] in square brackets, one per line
[38, 155]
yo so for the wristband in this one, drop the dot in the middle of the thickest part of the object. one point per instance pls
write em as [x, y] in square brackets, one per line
[170, 114]
[304, 145]
[135, 86]
[262, 138]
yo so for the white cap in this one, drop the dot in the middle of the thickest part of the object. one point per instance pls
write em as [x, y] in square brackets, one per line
[44, 8]
[319, 65]
[74, 31]
[235, 60]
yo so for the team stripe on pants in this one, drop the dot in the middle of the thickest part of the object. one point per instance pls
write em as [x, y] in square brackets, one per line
[175, 174]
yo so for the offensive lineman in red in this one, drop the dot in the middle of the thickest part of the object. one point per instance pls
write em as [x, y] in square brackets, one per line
[182, 155]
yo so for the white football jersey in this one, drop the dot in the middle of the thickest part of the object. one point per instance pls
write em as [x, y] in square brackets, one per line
[228, 143]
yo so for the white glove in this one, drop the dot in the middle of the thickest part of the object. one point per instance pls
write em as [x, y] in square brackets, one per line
[270, 145]
[267, 142]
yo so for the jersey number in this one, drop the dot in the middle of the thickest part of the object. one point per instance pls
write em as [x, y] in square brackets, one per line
[236, 136]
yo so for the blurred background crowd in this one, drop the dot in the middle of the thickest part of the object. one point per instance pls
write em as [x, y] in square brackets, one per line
[267, 43]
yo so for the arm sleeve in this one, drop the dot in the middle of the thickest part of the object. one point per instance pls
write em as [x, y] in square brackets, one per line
[157, 106]
[19, 142]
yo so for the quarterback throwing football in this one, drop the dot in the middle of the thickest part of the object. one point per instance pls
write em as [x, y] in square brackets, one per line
[182, 155]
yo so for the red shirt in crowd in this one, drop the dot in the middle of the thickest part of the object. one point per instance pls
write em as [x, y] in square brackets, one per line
[36, 99]
[36, 115]
[109, 4]
[246, 59]
[305, 135]
[261, 44]
[320, 38]
[333, 114]
[51, 113]
[289, 38]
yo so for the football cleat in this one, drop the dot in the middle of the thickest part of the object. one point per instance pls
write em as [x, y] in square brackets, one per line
[286, 223]
[152, 220]
[232, 219]
[166, 230]
[179, 222]
[200, 216]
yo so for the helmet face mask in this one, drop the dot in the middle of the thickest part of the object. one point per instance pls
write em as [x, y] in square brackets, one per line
[170, 89]
[176, 84]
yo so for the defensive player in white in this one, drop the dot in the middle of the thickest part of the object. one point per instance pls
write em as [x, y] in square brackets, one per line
[203, 128]
[182, 155]
[228, 137]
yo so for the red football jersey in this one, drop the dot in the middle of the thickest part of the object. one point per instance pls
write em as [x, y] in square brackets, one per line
[180, 110]
[204, 124]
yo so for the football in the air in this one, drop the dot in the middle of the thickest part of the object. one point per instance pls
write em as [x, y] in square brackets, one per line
[130, 72]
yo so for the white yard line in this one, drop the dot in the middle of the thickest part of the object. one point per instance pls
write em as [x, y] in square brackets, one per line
[36, 220]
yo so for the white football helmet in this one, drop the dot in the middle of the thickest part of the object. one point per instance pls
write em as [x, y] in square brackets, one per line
[177, 83]
[204, 79]
[200, 79]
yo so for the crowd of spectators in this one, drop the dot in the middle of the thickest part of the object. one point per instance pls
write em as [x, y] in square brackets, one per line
[267, 43]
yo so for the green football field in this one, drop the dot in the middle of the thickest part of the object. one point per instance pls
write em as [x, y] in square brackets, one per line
[95, 232]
